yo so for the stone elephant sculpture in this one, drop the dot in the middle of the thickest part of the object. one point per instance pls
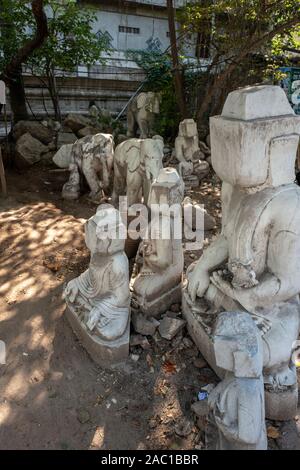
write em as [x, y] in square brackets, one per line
[93, 157]
[141, 114]
[137, 163]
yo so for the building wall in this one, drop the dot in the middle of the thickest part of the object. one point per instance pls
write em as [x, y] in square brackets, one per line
[110, 85]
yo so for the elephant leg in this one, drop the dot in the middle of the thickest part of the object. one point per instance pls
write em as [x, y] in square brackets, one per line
[134, 188]
[105, 174]
[130, 124]
[151, 132]
[91, 177]
[143, 126]
[119, 188]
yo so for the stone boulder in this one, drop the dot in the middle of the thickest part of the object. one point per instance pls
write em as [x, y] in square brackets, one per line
[29, 151]
[62, 158]
[76, 122]
[88, 130]
[65, 138]
[35, 129]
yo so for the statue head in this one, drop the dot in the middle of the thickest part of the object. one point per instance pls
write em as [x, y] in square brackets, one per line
[151, 156]
[254, 141]
[150, 101]
[188, 128]
[238, 344]
[105, 232]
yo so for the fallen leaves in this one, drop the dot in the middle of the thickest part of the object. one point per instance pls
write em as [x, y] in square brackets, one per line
[272, 432]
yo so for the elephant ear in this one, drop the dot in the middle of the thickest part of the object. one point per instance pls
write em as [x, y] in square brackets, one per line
[141, 100]
[133, 158]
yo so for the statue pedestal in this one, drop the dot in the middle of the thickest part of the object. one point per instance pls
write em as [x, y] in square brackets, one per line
[280, 405]
[161, 304]
[104, 353]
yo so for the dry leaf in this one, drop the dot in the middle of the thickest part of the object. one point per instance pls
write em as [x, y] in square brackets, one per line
[273, 432]
[169, 367]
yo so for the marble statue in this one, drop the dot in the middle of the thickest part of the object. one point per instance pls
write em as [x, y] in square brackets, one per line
[187, 151]
[92, 156]
[98, 300]
[237, 402]
[137, 163]
[158, 282]
[253, 265]
[141, 113]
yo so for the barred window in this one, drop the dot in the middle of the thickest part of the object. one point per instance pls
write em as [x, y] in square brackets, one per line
[129, 29]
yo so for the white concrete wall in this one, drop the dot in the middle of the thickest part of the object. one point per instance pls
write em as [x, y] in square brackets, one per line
[149, 27]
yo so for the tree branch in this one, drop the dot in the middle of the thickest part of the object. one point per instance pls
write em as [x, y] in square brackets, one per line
[27, 49]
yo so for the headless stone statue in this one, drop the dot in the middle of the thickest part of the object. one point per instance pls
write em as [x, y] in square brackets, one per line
[158, 283]
[98, 299]
[253, 265]
[188, 153]
[237, 402]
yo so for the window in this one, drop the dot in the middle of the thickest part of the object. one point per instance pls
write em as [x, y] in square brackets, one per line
[129, 29]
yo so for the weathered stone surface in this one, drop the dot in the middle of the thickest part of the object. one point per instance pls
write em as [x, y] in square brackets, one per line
[156, 286]
[88, 130]
[137, 163]
[98, 300]
[238, 350]
[144, 326]
[141, 111]
[62, 158]
[76, 122]
[65, 138]
[28, 151]
[35, 129]
[169, 327]
[255, 102]
[198, 214]
[200, 408]
[251, 266]
[92, 156]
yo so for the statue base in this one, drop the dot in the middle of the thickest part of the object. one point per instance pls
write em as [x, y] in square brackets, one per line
[279, 405]
[161, 304]
[104, 353]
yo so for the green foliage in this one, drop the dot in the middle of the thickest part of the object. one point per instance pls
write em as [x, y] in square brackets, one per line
[247, 44]
[71, 40]
[157, 66]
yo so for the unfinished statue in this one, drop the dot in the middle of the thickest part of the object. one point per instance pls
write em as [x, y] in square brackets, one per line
[158, 282]
[93, 157]
[237, 402]
[187, 151]
[253, 265]
[98, 300]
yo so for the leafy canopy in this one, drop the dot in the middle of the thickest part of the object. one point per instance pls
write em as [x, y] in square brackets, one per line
[71, 39]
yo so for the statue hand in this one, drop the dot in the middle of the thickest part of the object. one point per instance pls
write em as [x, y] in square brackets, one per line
[71, 291]
[223, 285]
[198, 282]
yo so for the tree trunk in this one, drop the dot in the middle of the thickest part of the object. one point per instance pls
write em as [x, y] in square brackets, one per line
[17, 97]
[178, 82]
[12, 74]
[53, 93]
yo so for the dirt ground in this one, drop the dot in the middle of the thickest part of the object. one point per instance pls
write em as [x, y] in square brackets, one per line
[52, 394]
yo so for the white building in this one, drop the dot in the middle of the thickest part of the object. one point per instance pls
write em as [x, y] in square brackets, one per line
[129, 24]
